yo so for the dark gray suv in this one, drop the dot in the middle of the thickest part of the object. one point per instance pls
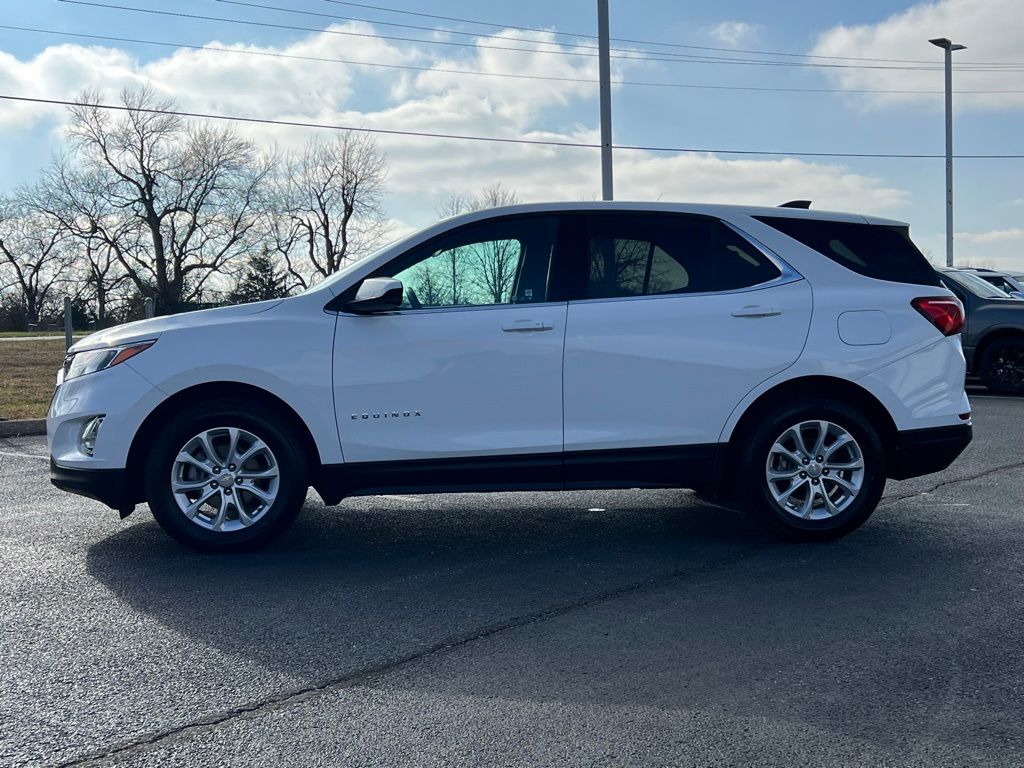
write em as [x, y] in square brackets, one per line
[993, 335]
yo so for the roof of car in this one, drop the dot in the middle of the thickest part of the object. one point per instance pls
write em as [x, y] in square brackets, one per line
[709, 209]
[992, 272]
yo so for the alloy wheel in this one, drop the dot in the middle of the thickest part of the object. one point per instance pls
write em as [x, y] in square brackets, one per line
[1008, 366]
[225, 479]
[815, 470]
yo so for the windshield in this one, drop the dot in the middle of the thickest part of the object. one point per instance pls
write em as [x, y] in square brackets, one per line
[976, 285]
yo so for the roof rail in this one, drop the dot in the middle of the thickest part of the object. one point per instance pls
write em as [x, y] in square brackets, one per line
[796, 204]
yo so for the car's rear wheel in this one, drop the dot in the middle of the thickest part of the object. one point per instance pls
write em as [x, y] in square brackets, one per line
[221, 478]
[1002, 366]
[812, 472]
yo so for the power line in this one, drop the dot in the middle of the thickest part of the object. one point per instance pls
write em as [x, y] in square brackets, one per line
[498, 25]
[482, 35]
[660, 56]
[701, 60]
[477, 73]
[456, 19]
[489, 139]
[402, 26]
[293, 27]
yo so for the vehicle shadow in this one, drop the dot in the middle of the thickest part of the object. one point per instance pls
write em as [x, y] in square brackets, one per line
[874, 637]
[376, 579]
[903, 636]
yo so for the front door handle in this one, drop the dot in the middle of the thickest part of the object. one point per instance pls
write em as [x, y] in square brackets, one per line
[756, 310]
[526, 326]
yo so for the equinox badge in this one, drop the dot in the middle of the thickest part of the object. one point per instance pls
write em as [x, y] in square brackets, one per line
[387, 415]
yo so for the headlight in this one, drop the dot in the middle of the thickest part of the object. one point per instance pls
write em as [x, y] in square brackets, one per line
[80, 363]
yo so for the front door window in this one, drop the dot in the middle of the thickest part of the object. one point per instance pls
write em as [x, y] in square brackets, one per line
[493, 264]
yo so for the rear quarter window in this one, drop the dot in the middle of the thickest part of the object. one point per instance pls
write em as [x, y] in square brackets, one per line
[873, 250]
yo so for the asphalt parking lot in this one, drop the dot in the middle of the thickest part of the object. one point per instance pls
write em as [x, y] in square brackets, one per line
[612, 628]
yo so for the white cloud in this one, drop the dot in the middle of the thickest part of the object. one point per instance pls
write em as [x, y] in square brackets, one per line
[734, 33]
[423, 171]
[990, 28]
[59, 71]
[1013, 235]
[996, 248]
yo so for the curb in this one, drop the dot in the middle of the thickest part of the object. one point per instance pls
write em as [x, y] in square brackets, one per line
[22, 428]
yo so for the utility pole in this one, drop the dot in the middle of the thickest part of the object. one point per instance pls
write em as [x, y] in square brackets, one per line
[949, 46]
[67, 322]
[604, 65]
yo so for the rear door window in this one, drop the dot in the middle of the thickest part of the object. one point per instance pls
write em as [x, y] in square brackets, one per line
[874, 250]
[649, 254]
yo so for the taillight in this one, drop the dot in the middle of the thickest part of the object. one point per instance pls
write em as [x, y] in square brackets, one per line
[944, 312]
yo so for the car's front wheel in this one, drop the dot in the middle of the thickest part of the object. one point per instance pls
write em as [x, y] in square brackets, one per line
[1002, 366]
[812, 472]
[224, 478]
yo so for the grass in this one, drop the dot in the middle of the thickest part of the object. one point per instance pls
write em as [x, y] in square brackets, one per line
[28, 372]
[18, 334]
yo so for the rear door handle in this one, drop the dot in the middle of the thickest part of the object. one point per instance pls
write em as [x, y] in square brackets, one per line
[526, 326]
[756, 310]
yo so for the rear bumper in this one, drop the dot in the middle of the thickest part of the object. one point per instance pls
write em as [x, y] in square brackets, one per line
[109, 486]
[924, 451]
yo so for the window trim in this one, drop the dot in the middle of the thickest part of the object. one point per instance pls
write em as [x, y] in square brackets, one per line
[462, 308]
[787, 274]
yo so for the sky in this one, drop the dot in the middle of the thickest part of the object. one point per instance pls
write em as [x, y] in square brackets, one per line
[256, 78]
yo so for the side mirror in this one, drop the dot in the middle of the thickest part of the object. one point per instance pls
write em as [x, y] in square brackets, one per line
[376, 294]
[1017, 294]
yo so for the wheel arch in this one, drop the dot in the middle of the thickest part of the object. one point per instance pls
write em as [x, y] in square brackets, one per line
[989, 339]
[817, 387]
[248, 393]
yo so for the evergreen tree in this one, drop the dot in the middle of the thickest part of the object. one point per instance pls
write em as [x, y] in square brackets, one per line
[260, 280]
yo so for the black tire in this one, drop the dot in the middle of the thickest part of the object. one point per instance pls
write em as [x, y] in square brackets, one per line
[1002, 366]
[752, 487]
[292, 482]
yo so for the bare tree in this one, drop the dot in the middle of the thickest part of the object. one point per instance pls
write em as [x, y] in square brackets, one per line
[100, 276]
[494, 196]
[428, 285]
[326, 206]
[487, 269]
[102, 235]
[175, 202]
[33, 249]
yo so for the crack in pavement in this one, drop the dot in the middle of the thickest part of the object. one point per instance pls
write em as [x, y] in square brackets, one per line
[889, 501]
[287, 698]
[292, 696]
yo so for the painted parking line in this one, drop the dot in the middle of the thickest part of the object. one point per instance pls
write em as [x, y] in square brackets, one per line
[23, 455]
[935, 504]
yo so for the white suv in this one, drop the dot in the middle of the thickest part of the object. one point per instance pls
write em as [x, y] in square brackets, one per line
[787, 360]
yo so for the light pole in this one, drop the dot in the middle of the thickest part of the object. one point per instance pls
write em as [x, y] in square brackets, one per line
[949, 46]
[604, 67]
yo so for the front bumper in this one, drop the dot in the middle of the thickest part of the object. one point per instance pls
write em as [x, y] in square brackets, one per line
[120, 395]
[109, 486]
[924, 451]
